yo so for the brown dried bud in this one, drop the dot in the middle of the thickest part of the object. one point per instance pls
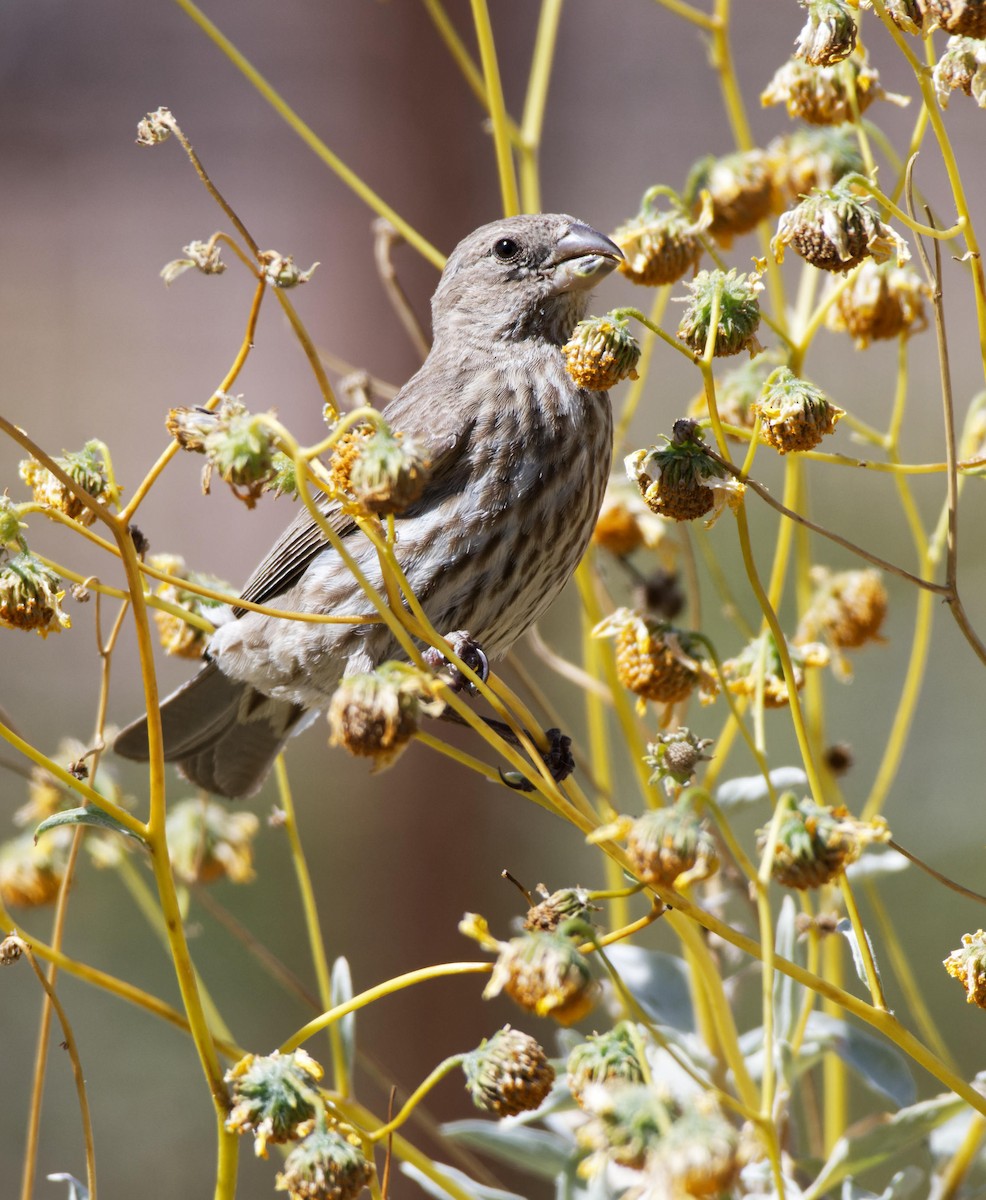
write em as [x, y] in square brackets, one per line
[508, 1073]
[545, 973]
[964, 17]
[666, 843]
[377, 714]
[601, 353]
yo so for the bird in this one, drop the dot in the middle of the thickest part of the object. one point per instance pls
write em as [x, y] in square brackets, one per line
[519, 456]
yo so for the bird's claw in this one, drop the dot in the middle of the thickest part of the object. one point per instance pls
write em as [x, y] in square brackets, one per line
[469, 651]
[557, 758]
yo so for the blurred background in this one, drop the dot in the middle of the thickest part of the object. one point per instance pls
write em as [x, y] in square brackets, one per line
[92, 345]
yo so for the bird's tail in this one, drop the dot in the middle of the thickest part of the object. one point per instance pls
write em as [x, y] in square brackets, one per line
[223, 735]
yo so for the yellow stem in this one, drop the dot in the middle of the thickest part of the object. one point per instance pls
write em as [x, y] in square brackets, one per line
[532, 121]
[497, 107]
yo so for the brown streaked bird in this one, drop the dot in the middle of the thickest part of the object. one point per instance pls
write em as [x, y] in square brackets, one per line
[519, 456]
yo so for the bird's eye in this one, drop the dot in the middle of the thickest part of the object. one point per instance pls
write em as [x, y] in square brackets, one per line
[506, 249]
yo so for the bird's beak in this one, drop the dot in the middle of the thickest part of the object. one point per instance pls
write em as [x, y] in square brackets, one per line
[581, 258]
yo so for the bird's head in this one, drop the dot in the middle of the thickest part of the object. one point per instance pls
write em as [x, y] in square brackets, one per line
[526, 276]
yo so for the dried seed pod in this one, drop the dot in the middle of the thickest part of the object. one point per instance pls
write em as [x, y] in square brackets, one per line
[795, 415]
[546, 974]
[508, 1073]
[601, 353]
[666, 843]
[739, 313]
[674, 756]
[329, 1164]
[681, 480]
[740, 189]
[881, 301]
[835, 230]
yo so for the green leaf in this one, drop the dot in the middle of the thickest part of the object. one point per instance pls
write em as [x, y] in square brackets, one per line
[750, 788]
[785, 998]
[658, 982]
[536, 1150]
[845, 928]
[461, 1182]
[76, 1189]
[88, 814]
[878, 1139]
[341, 991]
[903, 1185]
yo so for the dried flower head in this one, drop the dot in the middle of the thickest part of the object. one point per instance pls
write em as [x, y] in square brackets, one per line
[30, 596]
[202, 256]
[829, 34]
[835, 230]
[508, 1073]
[846, 610]
[824, 95]
[625, 524]
[388, 472]
[11, 525]
[794, 414]
[608, 1058]
[87, 470]
[699, 1156]
[666, 844]
[11, 948]
[739, 313]
[207, 842]
[964, 17]
[156, 127]
[740, 191]
[811, 159]
[280, 270]
[815, 843]
[273, 1096]
[656, 661]
[546, 974]
[968, 966]
[566, 904]
[178, 636]
[376, 715]
[907, 15]
[962, 68]
[681, 480]
[241, 449]
[31, 872]
[601, 352]
[881, 301]
[759, 664]
[626, 1124]
[659, 247]
[674, 756]
[329, 1164]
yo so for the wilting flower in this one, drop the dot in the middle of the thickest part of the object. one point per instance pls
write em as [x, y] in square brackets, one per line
[681, 480]
[654, 660]
[30, 596]
[815, 843]
[273, 1096]
[566, 904]
[32, 870]
[666, 844]
[759, 665]
[508, 1073]
[607, 1058]
[200, 256]
[795, 415]
[659, 247]
[388, 472]
[847, 610]
[965, 17]
[602, 352]
[206, 842]
[740, 191]
[329, 1164]
[810, 160]
[835, 230]
[824, 95]
[546, 974]
[829, 34]
[674, 756]
[962, 68]
[177, 636]
[968, 966]
[87, 470]
[739, 313]
[880, 301]
[376, 715]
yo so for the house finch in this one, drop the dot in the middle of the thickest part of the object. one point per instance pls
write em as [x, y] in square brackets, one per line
[519, 457]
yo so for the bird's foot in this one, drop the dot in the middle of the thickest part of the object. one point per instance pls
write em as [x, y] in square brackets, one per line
[557, 758]
[469, 651]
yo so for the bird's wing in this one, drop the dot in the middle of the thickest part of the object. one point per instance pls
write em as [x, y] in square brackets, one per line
[294, 550]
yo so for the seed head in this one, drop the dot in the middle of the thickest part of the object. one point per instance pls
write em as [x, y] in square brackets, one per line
[674, 757]
[546, 974]
[740, 189]
[207, 842]
[601, 352]
[202, 256]
[681, 480]
[387, 473]
[31, 872]
[739, 313]
[964, 17]
[567, 904]
[30, 598]
[376, 715]
[508, 1073]
[699, 1154]
[968, 965]
[809, 160]
[658, 247]
[240, 448]
[666, 843]
[179, 637]
[626, 1123]
[961, 68]
[823, 95]
[654, 660]
[606, 1059]
[835, 230]
[156, 127]
[273, 1097]
[829, 34]
[881, 301]
[281, 271]
[907, 15]
[86, 468]
[760, 660]
[847, 609]
[815, 843]
[329, 1164]
[795, 415]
